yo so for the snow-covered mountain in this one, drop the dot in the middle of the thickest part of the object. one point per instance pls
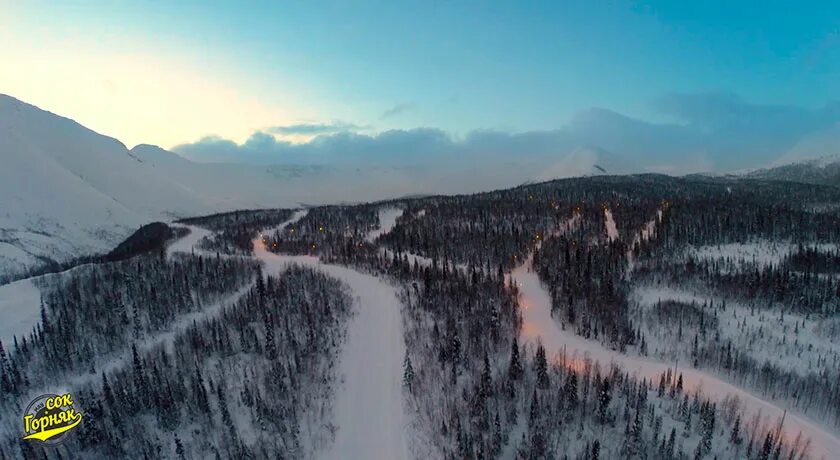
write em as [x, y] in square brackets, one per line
[67, 191]
[823, 170]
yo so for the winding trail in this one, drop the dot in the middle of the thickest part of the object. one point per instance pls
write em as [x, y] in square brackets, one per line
[539, 325]
[369, 401]
[368, 408]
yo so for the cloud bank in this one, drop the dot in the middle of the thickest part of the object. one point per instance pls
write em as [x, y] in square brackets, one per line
[709, 132]
[313, 129]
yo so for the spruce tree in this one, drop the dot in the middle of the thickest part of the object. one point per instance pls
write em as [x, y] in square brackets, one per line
[408, 372]
[604, 398]
[735, 434]
[515, 369]
[541, 367]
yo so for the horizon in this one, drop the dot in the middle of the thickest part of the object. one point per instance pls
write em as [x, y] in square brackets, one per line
[419, 230]
[665, 89]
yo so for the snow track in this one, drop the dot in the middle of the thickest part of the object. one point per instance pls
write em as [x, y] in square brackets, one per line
[20, 308]
[189, 243]
[298, 215]
[369, 401]
[387, 220]
[539, 325]
[609, 223]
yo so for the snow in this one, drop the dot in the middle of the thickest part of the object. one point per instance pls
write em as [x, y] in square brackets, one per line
[763, 253]
[650, 226]
[188, 243]
[539, 325]
[14, 259]
[609, 222]
[20, 305]
[66, 184]
[298, 215]
[369, 403]
[368, 408]
[20, 308]
[387, 221]
[567, 226]
[766, 335]
[164, 337]
[69, 191]
[646, 233]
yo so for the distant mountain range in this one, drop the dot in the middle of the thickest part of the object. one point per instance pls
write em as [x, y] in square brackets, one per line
[68, 191]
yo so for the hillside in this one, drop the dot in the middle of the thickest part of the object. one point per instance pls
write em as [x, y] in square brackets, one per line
[68, 191]
[825, 171]
[633, 317]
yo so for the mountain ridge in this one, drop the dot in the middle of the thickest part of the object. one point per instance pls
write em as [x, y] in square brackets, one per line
[69, 191]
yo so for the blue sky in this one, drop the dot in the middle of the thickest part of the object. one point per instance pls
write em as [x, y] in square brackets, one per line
[371, 66]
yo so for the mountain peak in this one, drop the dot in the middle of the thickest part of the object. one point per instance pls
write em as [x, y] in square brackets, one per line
[156, 155]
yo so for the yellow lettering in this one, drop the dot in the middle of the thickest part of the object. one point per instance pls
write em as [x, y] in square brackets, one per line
[44, 427]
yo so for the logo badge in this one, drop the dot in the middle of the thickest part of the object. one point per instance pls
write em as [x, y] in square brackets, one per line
[50, 418]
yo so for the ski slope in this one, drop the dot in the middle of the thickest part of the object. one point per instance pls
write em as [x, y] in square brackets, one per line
[20, 305]
[20, 301]
[20, 308]
[609, 223]
[539, 325]
[387, 220]
[368, 408]
[189, 243]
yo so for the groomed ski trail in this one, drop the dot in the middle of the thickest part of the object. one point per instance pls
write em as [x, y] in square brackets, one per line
[539, 325]
[368, 409]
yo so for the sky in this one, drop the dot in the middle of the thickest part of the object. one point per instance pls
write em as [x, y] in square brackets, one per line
[677, 86]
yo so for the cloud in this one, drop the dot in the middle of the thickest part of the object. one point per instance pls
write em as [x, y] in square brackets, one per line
[389, 147]
[711, 132]
[751, 133]
[314, 129]
[398, 109]
[577, 163]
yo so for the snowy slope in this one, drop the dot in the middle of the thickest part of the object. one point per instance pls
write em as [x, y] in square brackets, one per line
[103, 164]
[20, 304]
[538, 325]
[810, 169]
[387, 220]
[189, 243]
[68, 191]
[609, 224]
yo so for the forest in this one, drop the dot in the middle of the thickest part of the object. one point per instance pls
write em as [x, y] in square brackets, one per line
[205, 355]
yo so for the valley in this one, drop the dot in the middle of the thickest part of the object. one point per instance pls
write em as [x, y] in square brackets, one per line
[513, 324]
